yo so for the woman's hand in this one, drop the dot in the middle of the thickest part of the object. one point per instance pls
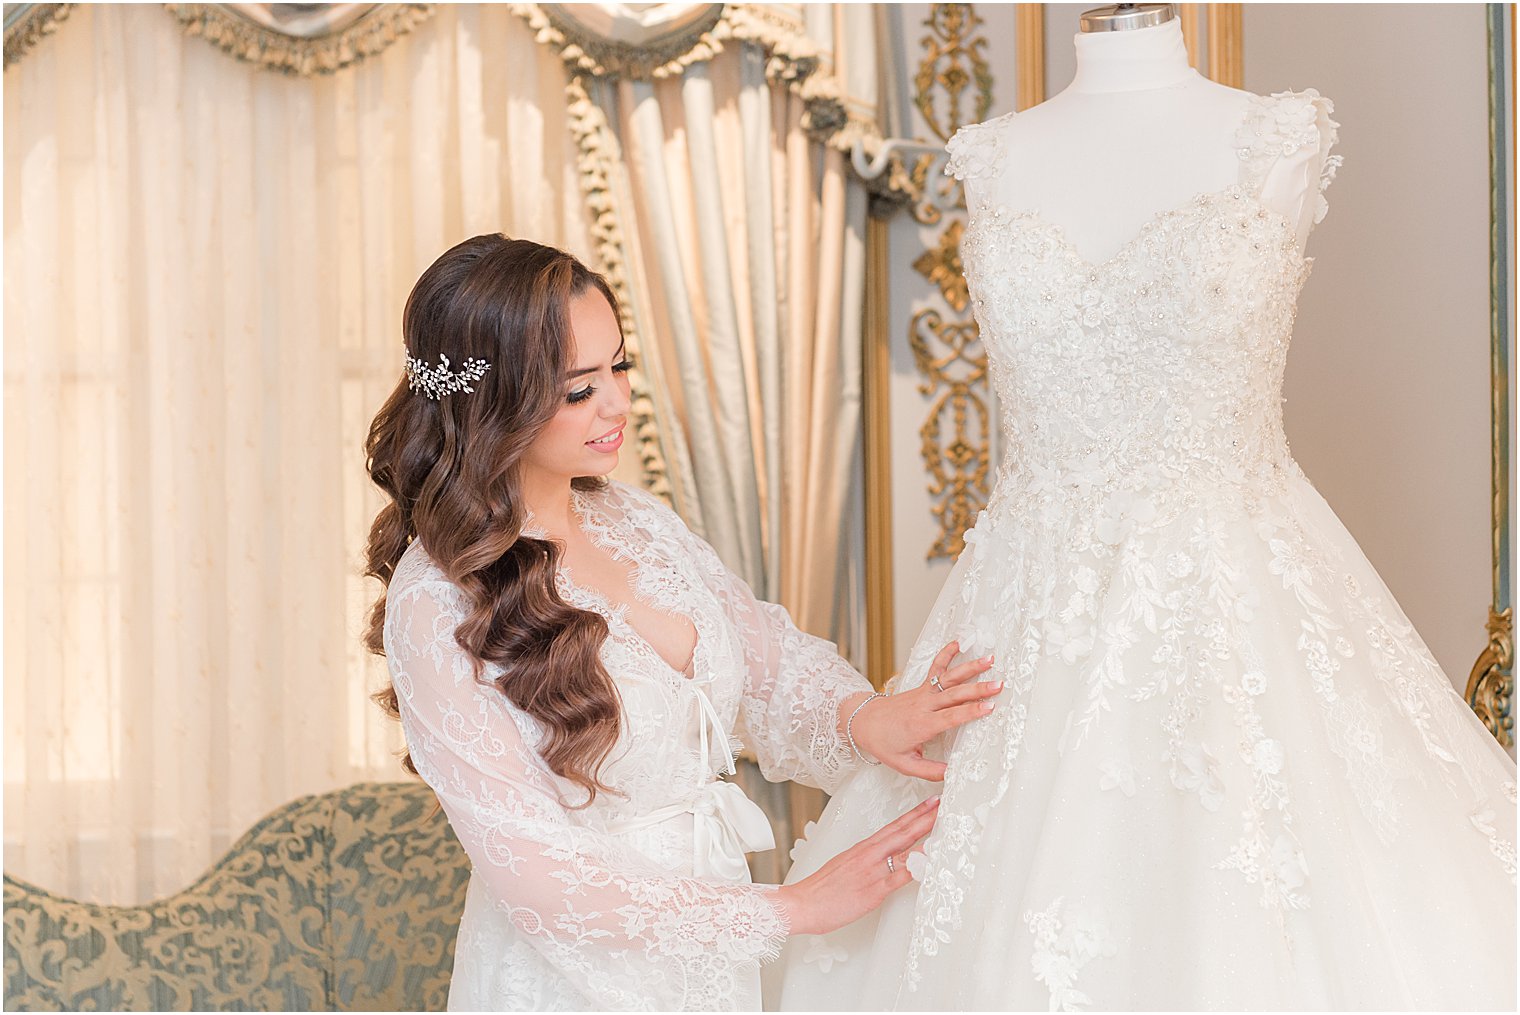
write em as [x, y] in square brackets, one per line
[894, 729]
[859, 879]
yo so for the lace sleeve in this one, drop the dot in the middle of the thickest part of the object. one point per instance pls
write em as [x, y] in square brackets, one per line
[794, 685]
[626, 933]
[1284, 140]
[793, 690]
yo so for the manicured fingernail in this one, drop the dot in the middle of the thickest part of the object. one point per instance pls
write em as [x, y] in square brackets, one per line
[933, 800]
[997, 685]
[988, 706]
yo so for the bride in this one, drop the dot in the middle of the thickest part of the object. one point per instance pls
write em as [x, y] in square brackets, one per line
[1225, 771]
[568, 662]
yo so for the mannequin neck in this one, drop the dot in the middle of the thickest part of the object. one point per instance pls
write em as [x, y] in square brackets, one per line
[1132, 61]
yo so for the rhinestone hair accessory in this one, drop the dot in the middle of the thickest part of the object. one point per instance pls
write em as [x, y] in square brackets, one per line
[435, 382]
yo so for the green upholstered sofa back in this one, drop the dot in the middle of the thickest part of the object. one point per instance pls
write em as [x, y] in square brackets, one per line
[347, 901]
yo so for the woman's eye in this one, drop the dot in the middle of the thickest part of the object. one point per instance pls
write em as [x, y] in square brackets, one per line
[623, 367]
[577, 397]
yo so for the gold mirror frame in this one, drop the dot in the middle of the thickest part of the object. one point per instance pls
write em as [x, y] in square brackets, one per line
[1491, 685]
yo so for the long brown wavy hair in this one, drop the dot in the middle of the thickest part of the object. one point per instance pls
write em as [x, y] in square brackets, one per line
[451, 469]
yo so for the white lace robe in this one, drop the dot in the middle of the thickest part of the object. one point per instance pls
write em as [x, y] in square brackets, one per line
[643, 899]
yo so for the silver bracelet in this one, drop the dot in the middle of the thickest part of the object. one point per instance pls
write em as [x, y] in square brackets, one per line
[849, 728]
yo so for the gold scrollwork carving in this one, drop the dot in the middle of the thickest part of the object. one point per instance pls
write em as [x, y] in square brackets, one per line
[957, 455]
[1490, 689]
[953, 87]
[954, 62]
[26, 24]
[941, 265]
[1491, 685]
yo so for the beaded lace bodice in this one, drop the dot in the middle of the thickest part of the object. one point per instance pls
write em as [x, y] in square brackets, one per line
[1163, 362]
[640, 900]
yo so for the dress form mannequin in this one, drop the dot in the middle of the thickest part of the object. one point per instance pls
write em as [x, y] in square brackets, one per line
[1137, 132]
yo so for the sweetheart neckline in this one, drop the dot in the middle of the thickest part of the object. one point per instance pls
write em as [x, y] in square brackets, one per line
[1203, 197]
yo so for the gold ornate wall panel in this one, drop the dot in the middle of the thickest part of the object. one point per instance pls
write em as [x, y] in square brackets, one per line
[954, 63]
[957, 436]
[952, 87]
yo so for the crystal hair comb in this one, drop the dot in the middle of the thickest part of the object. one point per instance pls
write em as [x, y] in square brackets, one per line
[435, 382]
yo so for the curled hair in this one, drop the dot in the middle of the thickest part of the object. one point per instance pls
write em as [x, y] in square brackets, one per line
[451, 468]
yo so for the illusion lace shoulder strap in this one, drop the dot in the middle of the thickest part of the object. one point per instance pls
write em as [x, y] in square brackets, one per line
[1280, 126]
[976, 150]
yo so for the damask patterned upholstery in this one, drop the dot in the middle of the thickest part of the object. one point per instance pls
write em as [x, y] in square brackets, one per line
[347, 901]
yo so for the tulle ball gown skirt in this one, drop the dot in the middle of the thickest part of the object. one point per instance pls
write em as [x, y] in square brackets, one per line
[1224, 773]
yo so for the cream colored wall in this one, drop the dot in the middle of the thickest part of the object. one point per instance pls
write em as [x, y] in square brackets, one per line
[1387, 407]
[1387, 386]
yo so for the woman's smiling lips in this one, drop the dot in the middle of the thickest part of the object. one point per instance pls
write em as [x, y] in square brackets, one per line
[608, 442]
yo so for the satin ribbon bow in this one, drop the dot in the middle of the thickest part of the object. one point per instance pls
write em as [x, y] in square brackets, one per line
[726, 825]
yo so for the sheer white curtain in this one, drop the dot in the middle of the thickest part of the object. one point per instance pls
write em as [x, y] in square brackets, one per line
[745, 248]
[745, 251]
[205, 264]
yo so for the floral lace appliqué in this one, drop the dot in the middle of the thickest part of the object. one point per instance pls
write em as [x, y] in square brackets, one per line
[1062, 947]
[1146, 512]
[1282, 124]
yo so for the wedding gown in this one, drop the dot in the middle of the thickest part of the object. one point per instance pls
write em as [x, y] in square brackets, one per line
[1225, 771]
[643, 900]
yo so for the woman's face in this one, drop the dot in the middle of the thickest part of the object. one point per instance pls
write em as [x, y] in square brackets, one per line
[584, 436]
